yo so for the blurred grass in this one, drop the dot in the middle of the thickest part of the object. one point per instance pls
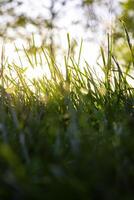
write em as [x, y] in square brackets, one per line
[68, 137]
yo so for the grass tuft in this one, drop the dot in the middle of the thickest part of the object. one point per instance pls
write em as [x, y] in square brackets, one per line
[67, 137]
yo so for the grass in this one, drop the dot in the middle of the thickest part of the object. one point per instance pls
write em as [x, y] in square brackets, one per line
[67, 137]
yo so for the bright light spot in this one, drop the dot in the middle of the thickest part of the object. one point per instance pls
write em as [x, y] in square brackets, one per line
[90, 50]
[37, 72]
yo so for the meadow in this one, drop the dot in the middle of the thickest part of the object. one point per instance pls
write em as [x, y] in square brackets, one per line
[68, 137]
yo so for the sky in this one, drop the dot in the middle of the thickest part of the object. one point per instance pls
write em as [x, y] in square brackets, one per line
[92, 40]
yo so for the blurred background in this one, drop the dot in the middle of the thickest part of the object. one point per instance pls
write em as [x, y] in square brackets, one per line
[47, 22]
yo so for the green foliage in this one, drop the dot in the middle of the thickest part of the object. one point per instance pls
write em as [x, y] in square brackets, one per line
[90, 2]
[68, 137]
[128, 15]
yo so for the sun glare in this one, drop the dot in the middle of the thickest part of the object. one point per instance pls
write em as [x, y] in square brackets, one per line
[90, 50]
[40, 69]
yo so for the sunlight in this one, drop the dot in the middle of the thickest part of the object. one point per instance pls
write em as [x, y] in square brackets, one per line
[38, 72]
[32, 72]
[89, 54]
[90, 50]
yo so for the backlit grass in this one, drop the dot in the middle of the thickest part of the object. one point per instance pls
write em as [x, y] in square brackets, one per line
[67, 137]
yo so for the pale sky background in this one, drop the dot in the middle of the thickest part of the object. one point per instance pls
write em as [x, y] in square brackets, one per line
[92, 41]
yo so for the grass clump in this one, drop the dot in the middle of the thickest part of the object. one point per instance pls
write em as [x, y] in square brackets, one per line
[67, 137]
